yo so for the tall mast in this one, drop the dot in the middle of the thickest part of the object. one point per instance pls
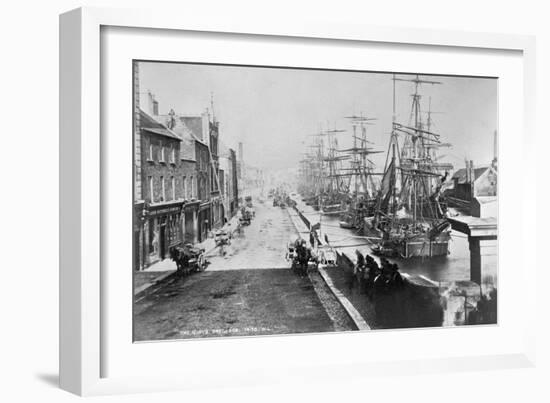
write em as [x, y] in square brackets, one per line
[392, 182]
[355, 161]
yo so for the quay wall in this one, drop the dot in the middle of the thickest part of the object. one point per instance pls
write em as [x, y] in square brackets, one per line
[418, 304]
[303, 217]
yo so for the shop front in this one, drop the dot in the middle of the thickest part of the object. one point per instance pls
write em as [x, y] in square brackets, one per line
[205, 220]
[162, 230]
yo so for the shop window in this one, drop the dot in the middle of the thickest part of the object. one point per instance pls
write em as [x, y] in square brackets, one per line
[153, 236]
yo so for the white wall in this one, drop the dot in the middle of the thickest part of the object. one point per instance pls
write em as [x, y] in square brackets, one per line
[29, 202]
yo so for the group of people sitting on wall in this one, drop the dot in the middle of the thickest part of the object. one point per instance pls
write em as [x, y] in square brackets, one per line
[372, 278]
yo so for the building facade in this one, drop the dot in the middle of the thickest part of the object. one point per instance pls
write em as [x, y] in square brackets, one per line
[228, 171]
[473, 182]
[203, 189]
[196, 128]
[179, 187]
[158, 214]
[218, 213]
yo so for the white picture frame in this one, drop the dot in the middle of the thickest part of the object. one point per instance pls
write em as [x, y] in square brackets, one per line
[82, 303]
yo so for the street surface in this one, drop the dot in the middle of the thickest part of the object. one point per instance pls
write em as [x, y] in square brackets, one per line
[249, 291]
[261, 245]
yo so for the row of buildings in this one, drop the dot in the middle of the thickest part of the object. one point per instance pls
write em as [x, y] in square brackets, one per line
[185, 179]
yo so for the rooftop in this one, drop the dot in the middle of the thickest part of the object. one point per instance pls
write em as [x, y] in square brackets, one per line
[461, 174]
[152, 125]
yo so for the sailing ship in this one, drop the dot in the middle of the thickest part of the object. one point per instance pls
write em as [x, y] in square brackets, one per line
[410, 216]
[322, 185]
[361, 201]
[335, 191]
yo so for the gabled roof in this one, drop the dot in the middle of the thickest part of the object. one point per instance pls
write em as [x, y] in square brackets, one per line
[189, 129]
[151, 125]
[163, 132]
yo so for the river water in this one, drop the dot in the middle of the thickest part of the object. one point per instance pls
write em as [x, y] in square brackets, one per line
[453, 267]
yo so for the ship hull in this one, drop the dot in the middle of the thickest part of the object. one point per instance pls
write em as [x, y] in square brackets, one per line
[425, 248]
[331, 213]
[421, 246]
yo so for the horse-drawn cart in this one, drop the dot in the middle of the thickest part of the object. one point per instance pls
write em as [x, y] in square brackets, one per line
[301, 258]
[188, 259]
[222, 239]
[246, 216]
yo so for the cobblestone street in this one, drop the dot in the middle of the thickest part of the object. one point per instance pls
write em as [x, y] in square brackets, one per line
[260, 245]
[249, 291]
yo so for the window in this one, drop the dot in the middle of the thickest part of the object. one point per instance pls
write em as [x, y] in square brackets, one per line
[163, 189]
[150, 156]
[172, 155]
[161, 153]
[173, 180]
[212, 179]
[151, 190]
[191, 188]
[184, 193]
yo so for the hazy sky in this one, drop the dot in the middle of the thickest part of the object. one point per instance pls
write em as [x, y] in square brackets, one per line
[273, 111]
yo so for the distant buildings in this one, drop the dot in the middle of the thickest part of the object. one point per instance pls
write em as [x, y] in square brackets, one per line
[250, 179]
[476, 189]
[229, 181]
[183, 188]
[470, 182]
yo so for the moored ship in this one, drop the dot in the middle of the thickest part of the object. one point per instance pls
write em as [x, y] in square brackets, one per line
[361, 200]
[410, 217]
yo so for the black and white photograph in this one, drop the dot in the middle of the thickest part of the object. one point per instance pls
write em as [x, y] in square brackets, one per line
[287, 201]
[272, 200]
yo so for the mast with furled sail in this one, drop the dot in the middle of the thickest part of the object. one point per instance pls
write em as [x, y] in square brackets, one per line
[362, 187]
[410, 216]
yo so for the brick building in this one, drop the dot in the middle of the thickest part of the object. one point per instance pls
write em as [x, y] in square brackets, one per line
[191, 221]
[177, 179]
[228, 174]
[203, 188]
[204, 130]
[159, 212]
[218, 213]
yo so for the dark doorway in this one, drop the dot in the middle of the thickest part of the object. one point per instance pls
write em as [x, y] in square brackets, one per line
[162, 240]
[189, 227]
[137, 251]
